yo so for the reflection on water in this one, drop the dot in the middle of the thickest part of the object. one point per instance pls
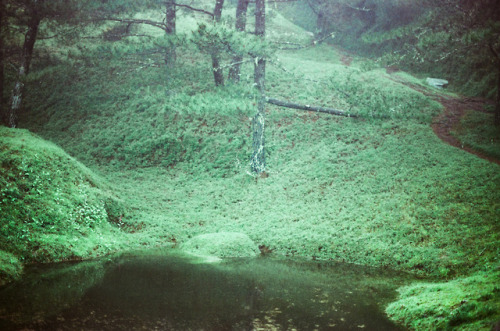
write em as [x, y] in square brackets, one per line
[161, 291]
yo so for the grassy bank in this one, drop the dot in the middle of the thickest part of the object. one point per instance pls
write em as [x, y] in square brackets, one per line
[52, 207]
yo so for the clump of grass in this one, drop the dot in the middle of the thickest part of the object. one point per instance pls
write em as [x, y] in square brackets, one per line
[465, 303]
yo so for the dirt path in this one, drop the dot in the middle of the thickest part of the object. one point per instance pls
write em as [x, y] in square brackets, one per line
[454, 109]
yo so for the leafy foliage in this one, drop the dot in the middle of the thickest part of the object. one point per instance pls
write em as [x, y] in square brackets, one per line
[214, 38]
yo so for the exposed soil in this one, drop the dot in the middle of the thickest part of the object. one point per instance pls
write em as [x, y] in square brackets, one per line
[454, 109]
[346, 60]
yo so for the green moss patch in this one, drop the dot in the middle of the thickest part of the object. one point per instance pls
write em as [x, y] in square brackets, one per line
[466, 303]
[222, 244]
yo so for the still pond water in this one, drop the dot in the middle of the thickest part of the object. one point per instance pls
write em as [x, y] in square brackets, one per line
[161, 291]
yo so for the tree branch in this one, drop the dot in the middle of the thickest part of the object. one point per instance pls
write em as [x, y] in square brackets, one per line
[495, 53]
[318, 109]
[357, 8]
[195, 9]
[315, 11]
[160, 25]
[300, 46]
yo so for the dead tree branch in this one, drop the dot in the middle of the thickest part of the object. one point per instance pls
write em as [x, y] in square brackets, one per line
[318, 109]
[134, 21]
[195, 9]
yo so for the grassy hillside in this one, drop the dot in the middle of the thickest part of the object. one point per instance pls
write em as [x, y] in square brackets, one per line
[379, 190]
[52, 207]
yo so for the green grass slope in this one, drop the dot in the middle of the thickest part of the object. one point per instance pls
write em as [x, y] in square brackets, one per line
[51, 206]
[380, 190]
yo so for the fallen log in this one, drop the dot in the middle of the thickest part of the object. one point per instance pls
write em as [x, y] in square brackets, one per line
[318, 109]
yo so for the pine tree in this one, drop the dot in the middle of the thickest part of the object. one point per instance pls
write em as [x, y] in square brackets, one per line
[217, 70]
[2, 56]
[258, 162]
[240, 25]
[34, 15]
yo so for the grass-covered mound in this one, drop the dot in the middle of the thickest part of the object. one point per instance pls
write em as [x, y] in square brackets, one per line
[220, 245]
[51, 206]
[466, 303]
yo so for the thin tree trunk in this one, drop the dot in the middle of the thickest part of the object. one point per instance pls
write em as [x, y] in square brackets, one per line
[216, 68]
[170, 16]
[2, 11]
[497, 108]
[26, 56]
[496, 120]
[241, 21]
[258, 162]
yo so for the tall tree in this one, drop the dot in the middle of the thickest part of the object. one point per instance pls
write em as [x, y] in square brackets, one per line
[22, 20]
[170, 18]
[2, 56]
[240, 25]
[258, 161]
[34, 16]
[217, 70]
[496, 54]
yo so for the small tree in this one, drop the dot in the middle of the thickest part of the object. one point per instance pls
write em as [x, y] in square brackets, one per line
[241, 20]
[258, 161]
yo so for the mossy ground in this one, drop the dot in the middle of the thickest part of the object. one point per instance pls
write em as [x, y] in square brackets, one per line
[476, 130]
[380, 190]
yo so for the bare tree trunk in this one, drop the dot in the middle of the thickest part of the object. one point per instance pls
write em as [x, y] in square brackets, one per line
[258, 162]
[2, 11]
[496, 120]
[241, 21]
[170, 55]
[218, 72]
[317, 109]
[27, 54]
[497, 107]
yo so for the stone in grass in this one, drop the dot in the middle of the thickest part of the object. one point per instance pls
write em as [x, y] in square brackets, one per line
[213, 246]
[437, 83]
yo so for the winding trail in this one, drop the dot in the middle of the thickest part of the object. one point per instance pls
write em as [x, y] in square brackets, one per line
[454, 109]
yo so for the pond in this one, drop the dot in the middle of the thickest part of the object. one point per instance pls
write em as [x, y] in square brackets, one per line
[164, 291]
